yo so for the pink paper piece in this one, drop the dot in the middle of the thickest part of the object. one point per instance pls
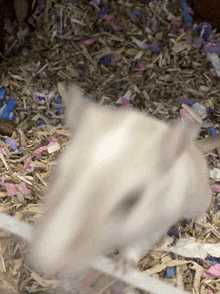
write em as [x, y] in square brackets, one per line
[213, 78]
[107, 17]
[116, 57]
[90, 41]
[184, 113]
[144, 21]
[181, 30]
[125, 101]
[155, 42]
[40, 150]
[89, 279]
[6, 256]
[10, 188]
[52, 140]
[31, 21]
[189, 9]
[175, 22]
[27, 162]
[212, 273]
[141, 65]
[1, 150]
[27, 191]
[215, 188]
[188, 38]
[114, 26]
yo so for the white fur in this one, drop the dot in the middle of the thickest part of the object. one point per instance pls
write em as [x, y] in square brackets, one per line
[122, 182]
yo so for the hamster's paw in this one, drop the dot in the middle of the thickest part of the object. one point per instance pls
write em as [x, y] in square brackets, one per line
[126, 264]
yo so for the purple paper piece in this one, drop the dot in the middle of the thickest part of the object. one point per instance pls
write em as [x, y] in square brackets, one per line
[212, 49]
[133, 17]
[185, 101]
[8, 26]
[173, 231]
[198, 43]
[154, 48]
[11, 142]
[154, 24]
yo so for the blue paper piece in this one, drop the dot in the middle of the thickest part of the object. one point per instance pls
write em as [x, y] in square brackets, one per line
[89, 100]
[57, 100]
[59, 111]
[212, 131]
[169, 272]
[103, 11]
[12, 143]
[211, 258]
[7, 112]
[121, 83]
[186, 14]
[213, 262]
[137, 12]
[146, 2]
[80, 67]
[14, 52]
[108, 59]
[2, 94]
[212, 111]
[206, 28]
[74, 1]
[42, 123]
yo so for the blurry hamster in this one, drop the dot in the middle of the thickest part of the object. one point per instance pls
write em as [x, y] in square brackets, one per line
[124, 180]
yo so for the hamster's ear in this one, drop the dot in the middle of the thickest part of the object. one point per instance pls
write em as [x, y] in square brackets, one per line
[182, 133]
[74, 102]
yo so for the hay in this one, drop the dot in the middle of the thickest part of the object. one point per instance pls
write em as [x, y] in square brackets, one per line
[133, 51]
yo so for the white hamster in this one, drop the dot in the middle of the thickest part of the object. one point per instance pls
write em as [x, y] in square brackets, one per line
[124, 180]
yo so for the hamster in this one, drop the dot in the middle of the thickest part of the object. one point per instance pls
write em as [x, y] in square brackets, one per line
[123, 181]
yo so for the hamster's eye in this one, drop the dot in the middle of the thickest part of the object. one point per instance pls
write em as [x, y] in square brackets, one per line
[124, 208]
